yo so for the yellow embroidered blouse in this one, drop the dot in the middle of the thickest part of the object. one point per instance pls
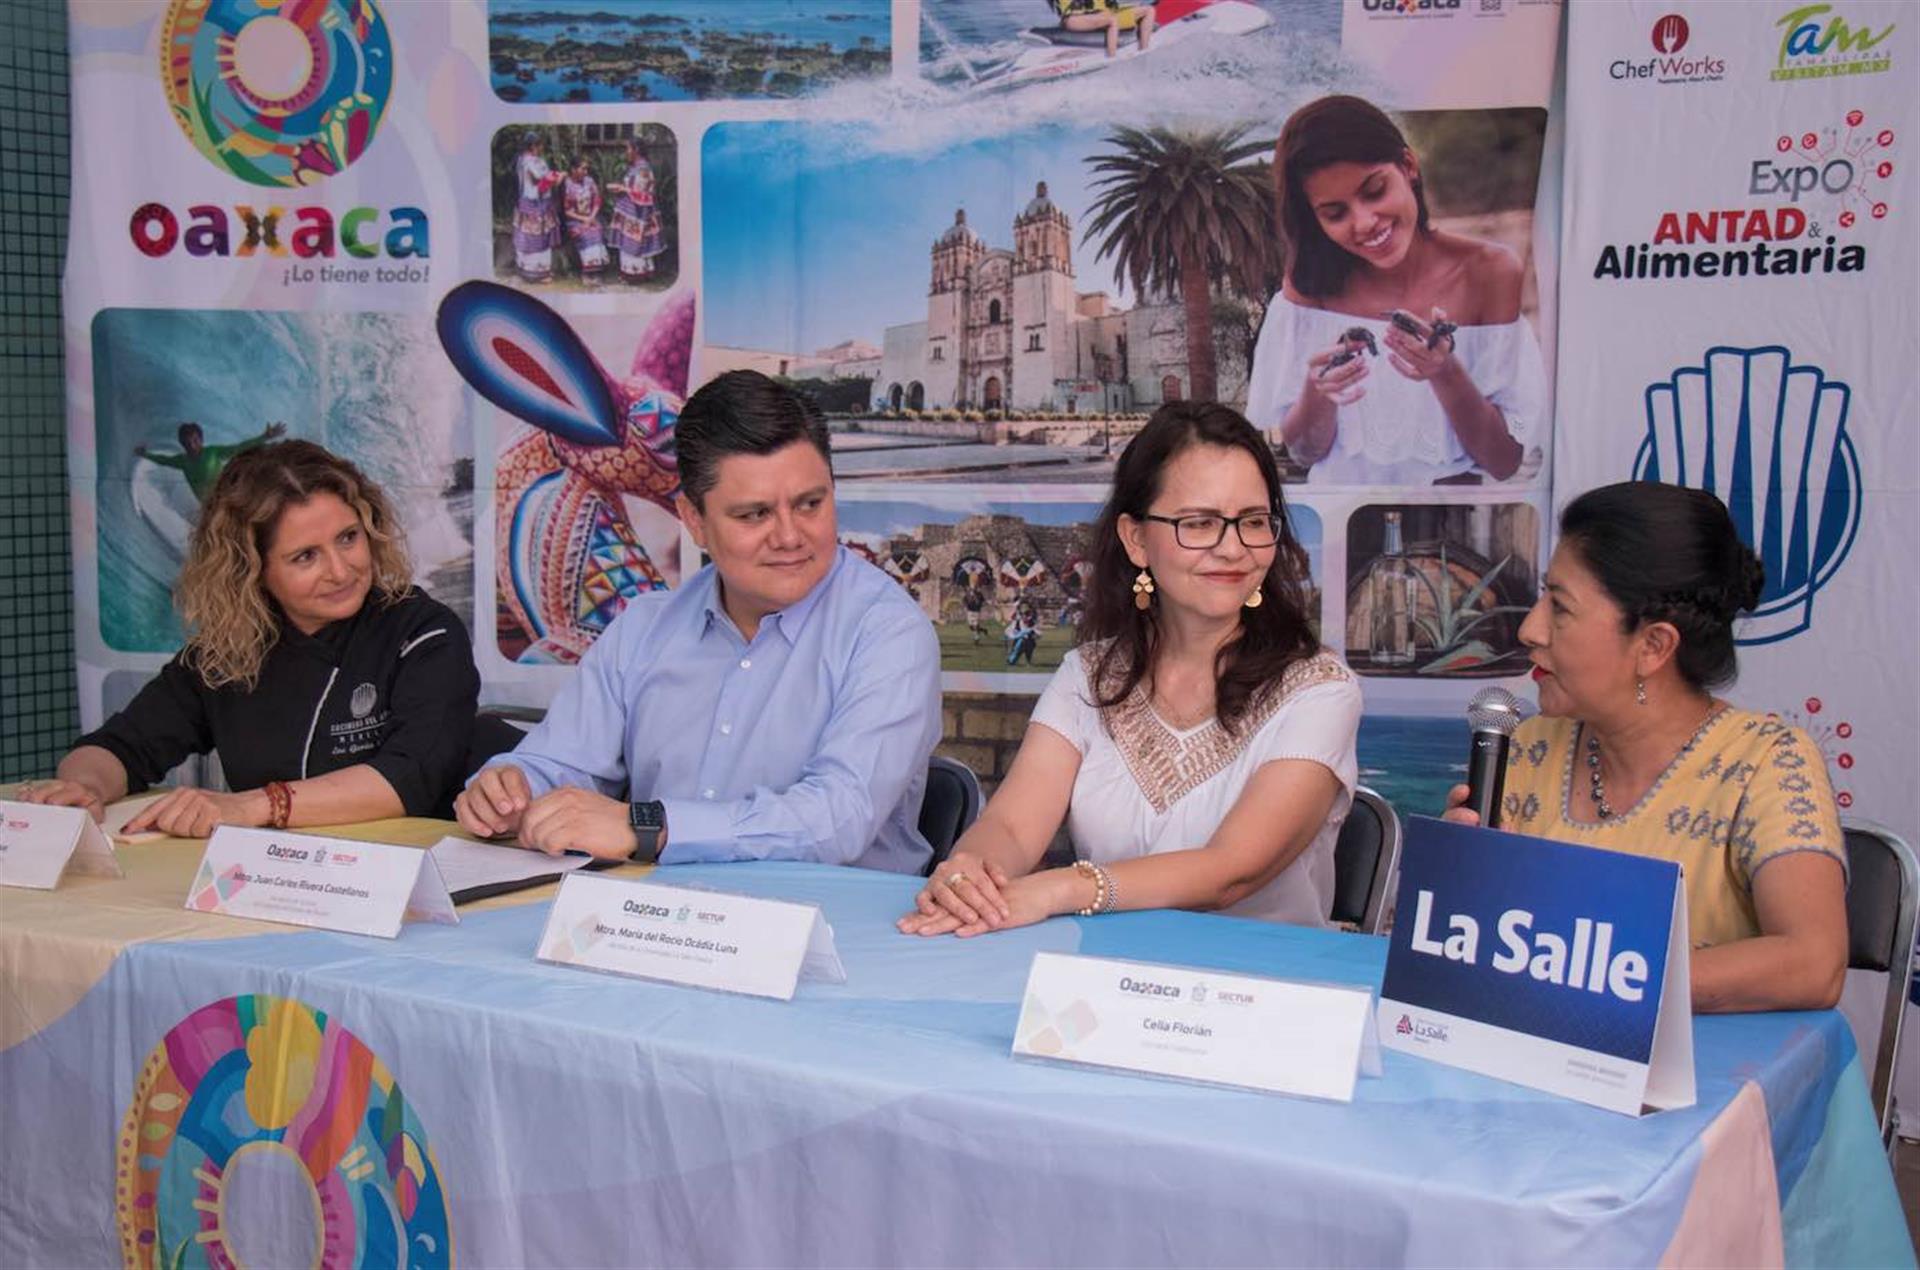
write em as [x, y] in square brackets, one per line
[1748, 789]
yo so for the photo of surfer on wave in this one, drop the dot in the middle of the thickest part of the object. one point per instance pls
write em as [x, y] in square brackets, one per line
[201, 463]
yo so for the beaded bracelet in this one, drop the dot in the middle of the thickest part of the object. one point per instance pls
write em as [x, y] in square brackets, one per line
[1098, 875]
[279, 803]
[1111, 900]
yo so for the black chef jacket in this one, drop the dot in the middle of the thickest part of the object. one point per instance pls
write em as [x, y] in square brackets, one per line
[393, 687]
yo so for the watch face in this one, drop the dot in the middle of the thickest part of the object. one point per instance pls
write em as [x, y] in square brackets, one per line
[649, 815]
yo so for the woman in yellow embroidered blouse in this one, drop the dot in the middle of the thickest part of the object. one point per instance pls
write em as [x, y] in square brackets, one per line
[1632, 751]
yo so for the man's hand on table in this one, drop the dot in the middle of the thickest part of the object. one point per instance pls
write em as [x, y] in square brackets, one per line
[572, 819]
[493, 805]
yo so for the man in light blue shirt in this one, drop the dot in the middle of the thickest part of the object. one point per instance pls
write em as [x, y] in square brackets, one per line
[779, 706]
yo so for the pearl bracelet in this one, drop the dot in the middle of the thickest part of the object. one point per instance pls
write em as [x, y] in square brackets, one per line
[1105, 894]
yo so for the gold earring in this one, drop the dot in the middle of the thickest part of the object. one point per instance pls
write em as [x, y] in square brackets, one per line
[1255, 600]
[1143, 591]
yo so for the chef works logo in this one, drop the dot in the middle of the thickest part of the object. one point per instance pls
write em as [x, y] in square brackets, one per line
[1410, 8]
[1670, 34]
[1670, 65]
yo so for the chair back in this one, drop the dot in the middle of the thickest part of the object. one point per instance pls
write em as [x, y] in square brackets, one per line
[1364, 858]
[952, 803]
[1883, 891]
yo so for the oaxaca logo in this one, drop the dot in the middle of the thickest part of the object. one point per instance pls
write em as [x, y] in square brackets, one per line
[1409, 8]
[281, 94]
[1769, 439]
[1816, 42]
[277, 92]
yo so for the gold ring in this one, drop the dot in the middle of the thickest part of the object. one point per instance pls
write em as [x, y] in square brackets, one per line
[955, 878]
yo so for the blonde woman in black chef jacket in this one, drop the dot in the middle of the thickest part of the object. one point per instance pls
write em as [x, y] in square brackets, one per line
[333, 689]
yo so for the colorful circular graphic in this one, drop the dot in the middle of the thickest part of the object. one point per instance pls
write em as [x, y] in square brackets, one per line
[263, 1133]
[277, 92]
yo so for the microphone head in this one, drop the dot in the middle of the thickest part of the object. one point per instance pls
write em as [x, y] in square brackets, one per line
[1495, 710]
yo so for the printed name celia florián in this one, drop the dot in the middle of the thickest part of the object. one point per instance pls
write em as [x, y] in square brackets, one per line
[1176, 1026]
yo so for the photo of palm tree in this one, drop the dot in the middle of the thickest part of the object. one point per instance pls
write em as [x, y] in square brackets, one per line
[1010, 309]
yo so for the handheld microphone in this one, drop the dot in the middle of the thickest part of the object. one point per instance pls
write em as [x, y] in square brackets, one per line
[1493, 714]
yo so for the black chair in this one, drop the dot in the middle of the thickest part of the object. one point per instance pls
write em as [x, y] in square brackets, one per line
[496, 731]
[1364, 858]
[1883, 890]
[952, 803]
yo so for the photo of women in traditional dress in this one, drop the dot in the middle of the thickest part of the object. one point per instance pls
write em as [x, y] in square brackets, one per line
[580, 201]
[1396, 353]
[636, 227]
[536, 226]
[601, 193]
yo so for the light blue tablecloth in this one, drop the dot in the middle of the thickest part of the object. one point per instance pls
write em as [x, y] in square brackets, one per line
[582, 1119]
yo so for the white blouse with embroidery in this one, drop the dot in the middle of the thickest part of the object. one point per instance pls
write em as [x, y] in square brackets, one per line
[1145, 787]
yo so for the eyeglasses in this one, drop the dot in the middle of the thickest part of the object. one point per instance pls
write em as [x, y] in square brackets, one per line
[1204, 533]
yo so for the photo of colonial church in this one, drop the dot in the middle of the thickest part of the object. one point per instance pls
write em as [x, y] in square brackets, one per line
[1008, 330]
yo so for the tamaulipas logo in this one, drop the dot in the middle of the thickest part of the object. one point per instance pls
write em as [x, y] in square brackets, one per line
[1768, 437]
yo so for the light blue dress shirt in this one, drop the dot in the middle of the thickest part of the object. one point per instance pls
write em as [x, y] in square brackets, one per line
[809, 742]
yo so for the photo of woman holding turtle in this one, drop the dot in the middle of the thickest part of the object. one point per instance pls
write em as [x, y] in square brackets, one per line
[1396, 353]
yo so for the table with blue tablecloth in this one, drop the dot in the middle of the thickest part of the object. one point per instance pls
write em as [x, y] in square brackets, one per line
[181, 1089]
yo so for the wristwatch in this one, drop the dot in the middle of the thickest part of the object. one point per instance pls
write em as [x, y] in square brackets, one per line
[647, 819]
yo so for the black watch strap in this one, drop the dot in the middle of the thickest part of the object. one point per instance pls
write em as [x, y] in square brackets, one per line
[648, 820]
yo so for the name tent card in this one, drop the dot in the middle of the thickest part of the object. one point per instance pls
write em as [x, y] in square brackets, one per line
[362, 888]
[1559, 967]
[684, 935]
[1269, 1034]
[39, 844]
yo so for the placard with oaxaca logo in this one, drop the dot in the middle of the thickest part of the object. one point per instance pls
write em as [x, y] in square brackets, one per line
[689, 935]
[362, 888]
[1277, 1035]
[1559, 967]
[40, 844]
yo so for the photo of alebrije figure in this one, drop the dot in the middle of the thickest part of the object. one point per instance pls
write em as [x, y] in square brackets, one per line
[577, 206]
[683, 50]
[371, 387]
[585, 470]
[1399, 351]
[1439, 590]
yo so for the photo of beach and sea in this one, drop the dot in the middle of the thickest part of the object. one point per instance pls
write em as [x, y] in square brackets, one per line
[682, 50]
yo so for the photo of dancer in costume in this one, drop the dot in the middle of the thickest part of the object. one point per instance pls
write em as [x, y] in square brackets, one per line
[581, 204]
[604, 195]
[636, 217]
[536, 227]
[1397, 352]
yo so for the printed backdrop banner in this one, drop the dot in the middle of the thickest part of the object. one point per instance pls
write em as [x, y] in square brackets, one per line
[486, 249]
[1739, 315]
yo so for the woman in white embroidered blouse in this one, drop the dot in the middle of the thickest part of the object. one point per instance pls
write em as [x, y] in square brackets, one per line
[1198, 744]
[1368, 277]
